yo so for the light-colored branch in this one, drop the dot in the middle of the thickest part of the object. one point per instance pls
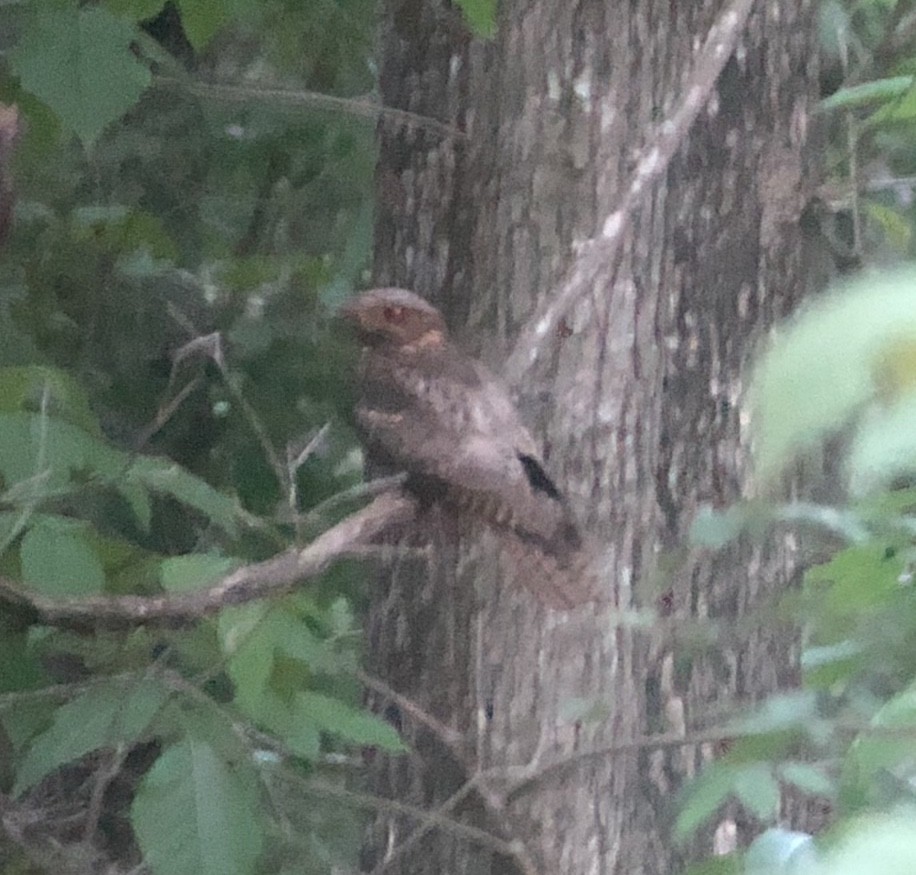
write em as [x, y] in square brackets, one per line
[269, 578]
[300, 98]
[595, 255]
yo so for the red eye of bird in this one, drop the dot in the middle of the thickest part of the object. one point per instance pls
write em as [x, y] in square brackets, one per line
[394, 314]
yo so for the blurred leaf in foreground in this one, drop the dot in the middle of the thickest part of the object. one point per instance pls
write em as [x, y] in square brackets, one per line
[853, 346]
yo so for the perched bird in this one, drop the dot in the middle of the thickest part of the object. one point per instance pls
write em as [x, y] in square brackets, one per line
[428, 409]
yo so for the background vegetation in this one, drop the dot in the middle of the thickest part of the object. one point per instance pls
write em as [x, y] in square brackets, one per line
[193, 197]
[173, 403]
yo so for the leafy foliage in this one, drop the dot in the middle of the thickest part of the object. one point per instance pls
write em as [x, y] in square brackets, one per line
[79, 63]
[868, 109]
[187, 217]
[196, 812]
[842, 366]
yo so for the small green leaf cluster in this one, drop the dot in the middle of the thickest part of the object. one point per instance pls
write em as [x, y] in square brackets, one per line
[865, 208]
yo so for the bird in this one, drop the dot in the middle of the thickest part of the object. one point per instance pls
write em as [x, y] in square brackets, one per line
[428, 409]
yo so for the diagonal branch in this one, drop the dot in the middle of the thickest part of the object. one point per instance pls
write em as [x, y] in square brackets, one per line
[272, 577]
[594, 256]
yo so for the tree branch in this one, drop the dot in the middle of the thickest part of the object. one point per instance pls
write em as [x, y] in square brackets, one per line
[251, 94]
[594, 255]
[272, 577]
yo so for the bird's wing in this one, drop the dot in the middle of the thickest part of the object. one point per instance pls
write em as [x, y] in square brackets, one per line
[451, 421]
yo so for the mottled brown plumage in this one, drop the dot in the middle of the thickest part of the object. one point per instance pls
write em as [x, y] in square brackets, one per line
[434, 412]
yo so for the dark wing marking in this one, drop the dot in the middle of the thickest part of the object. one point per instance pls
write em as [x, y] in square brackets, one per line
[537, 476]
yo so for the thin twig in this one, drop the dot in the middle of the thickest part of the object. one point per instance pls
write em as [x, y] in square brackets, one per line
[520, 777]
[451, 738]
[294, 461]
[423, 828]
[517, 849]
[112, 762]
[593, 257]
[165, 412]
[460, 830]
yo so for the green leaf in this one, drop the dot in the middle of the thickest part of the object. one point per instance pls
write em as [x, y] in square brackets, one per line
[340, 617]
[171, 479]
[19, 667]
[287, 720]
[203, 19]
[39, 445]
[757, 788]
[702, 797]
[22, 389]
[714, 529]
[875, 845]
[871, 755]
[903, 109]
[138, 499]
[296, 640]
[57, 559]
[352, 724]
[197, 814]
[254, 636]
[194, 571]
[846, 524]
[884, 447]
[827, 665]
[302, 735]
[846, 349]
[110, 713]
[778, 713]
[896, 226]
[899, 710]
[123, 230]
[480, 15]
[807, 778]
[80, 63]
[858, 579]
[250, 653]
[876, 91]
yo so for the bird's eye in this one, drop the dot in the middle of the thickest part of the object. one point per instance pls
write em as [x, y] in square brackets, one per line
[394, 314]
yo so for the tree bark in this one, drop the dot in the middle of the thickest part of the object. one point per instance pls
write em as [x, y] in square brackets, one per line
[635, 397]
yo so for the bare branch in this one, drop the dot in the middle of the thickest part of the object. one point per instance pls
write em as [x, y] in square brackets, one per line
[269, 578]
[515, 848]
[451, 738]
[594, 256]
[448, 825]
[309, 100]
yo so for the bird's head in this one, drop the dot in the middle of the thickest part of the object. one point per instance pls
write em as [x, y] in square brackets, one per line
[396, 318]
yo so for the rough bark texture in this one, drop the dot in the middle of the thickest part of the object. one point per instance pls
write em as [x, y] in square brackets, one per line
[635, 404]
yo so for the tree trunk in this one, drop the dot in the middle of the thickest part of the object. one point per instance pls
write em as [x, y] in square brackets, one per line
[634, 396]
